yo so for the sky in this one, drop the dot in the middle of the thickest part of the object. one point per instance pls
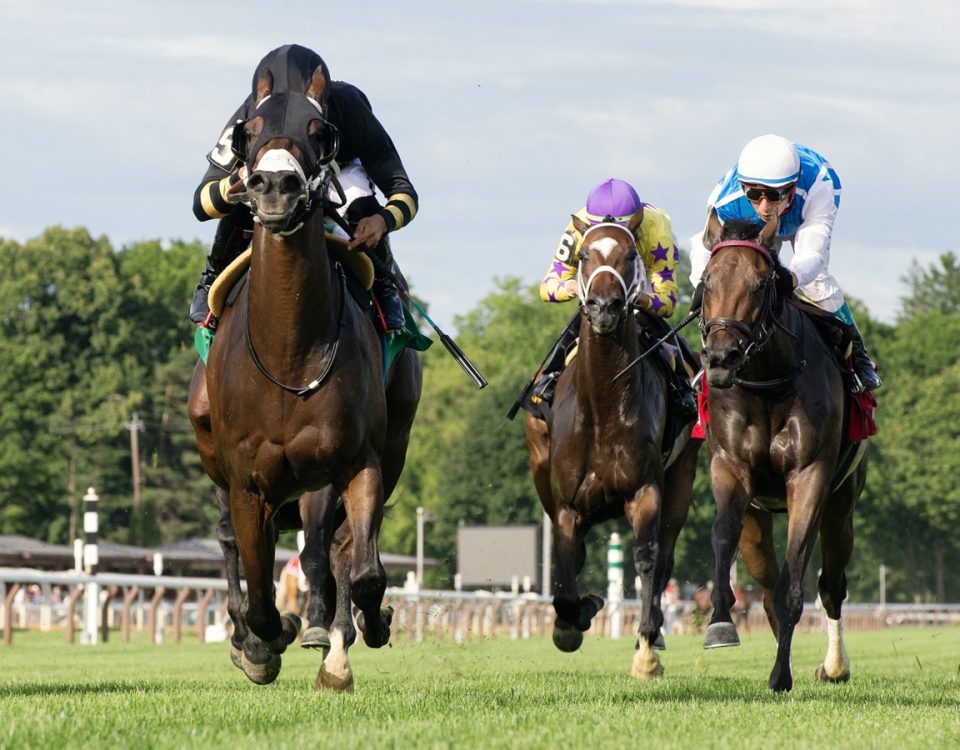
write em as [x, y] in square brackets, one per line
[504, 113]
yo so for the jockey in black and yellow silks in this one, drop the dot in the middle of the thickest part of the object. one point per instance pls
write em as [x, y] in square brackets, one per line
[366, 160]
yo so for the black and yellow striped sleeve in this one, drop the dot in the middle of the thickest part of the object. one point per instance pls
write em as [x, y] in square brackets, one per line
[400, 210]
[210, 199]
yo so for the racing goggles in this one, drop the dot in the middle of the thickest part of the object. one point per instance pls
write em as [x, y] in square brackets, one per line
[755, 193]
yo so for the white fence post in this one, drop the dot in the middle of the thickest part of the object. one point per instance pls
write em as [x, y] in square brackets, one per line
[91, 560]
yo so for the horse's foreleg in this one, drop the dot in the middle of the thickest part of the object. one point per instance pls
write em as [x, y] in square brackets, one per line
[363, 497]
[270, 634]
[231, 559]
[732, 499]
[806, 493]
[678, 494]
[335, 672]
[318, 511]
[643, 513]
[836, 546]
[760, 557]
[573, 613]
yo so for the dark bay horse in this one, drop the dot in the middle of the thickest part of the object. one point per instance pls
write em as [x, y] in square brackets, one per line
[292, 401]
[600, 454]
[777, 420]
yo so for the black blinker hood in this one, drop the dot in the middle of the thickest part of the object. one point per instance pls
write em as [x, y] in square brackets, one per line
[289, 115]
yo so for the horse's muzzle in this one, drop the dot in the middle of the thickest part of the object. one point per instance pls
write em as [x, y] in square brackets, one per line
[604, 315]
[721, 363]
[275, 197]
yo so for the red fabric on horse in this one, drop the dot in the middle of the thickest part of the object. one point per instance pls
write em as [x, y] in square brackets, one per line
[699, 431]
[861, 422]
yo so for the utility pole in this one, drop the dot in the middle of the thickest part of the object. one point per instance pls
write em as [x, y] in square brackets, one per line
[422, 517]
[135, 426]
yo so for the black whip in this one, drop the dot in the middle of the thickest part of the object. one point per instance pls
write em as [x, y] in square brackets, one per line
[691, 316]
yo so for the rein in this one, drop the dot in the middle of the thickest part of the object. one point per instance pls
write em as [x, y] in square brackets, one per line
[754, 340]
[332, 357]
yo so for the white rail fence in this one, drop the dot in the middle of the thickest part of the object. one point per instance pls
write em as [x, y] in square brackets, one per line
[169, 606]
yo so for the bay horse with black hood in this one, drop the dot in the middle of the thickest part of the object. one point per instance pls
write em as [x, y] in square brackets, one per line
[292, 399]
[777, 411]
[601, 454]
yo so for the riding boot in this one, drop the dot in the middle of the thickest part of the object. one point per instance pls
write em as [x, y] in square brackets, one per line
[865, 375]
[385, 289]
[227, 237]
[544, 388]
[684, 397]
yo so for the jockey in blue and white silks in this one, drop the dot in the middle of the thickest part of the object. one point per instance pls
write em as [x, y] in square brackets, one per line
[775, 177]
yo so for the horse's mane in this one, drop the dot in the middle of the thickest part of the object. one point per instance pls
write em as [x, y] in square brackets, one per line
[744, 229]
[741, 229]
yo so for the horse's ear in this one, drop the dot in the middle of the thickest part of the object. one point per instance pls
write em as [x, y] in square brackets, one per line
[317, 90]
[769, 231]
[713, 230]
[636, 221]
[579, 224]
[264, 86]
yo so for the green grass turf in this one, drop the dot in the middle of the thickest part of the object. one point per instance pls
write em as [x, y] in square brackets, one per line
[904, 693]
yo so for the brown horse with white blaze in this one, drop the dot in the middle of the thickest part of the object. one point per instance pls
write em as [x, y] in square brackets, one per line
[292, 399]
[777, 422]
[600, 454]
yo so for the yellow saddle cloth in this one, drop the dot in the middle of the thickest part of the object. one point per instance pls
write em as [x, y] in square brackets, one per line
[356, 263]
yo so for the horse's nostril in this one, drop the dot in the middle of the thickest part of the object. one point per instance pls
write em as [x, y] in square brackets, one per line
[256, 183]
[290, 184]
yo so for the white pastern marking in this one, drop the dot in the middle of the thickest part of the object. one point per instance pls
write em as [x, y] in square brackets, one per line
[336, 661]
[836, 663]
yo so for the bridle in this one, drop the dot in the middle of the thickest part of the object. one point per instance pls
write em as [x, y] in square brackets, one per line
[316, 188]
[289, 117]
[753, 339]
[630, 291]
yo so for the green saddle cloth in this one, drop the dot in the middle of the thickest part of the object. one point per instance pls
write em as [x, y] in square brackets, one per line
[408, 337]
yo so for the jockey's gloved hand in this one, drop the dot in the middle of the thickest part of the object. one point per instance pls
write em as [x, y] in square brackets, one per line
[697, 302]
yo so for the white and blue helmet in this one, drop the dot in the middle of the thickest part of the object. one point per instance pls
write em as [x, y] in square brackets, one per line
[769, 160]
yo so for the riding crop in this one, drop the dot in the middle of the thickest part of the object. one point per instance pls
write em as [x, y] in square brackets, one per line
[691, 316]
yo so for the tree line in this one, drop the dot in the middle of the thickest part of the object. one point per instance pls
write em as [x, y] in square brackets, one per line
[93, 335]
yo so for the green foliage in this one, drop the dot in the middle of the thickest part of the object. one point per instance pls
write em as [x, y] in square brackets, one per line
[92, 335]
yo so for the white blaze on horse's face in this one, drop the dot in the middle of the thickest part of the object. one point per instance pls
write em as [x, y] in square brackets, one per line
[280, 160]
[604, 246]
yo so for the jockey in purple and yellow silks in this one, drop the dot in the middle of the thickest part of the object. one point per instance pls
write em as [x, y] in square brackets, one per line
[616, 201]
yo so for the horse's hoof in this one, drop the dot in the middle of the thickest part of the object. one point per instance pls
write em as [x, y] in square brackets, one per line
[315, 637]
[327, 681]
[236, 656]
[261, 674]
[721, 634]
[646, 666]
[781, 680]
[378, 636]
[291, 627]
[660, 644]
[822, 676]
[567, 639]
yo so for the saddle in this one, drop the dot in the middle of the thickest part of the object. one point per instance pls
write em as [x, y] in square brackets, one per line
[358, 266]
[358, 275]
